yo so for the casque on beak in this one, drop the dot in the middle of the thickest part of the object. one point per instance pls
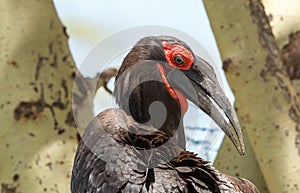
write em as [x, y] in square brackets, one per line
[200, 85]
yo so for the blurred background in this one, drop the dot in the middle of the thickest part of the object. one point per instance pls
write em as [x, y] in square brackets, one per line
[90, 22]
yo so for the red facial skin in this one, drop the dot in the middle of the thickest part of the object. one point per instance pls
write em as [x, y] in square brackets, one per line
[175, 94]
[172, 50]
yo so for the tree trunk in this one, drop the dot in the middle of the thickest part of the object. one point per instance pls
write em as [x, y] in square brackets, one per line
[38, 134]
[266, 100]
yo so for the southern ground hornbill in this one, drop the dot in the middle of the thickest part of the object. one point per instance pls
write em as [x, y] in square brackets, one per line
[140, 147]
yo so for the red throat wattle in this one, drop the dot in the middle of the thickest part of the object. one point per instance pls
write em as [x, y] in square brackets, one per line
[175, 94]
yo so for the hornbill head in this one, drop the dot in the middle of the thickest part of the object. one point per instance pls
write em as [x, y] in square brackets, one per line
[183, 76]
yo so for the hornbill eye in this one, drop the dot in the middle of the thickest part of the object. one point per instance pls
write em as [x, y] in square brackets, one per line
[178, 59]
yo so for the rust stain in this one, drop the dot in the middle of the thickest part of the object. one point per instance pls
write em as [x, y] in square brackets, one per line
[49, 165]
[29, 110]
[226, 63]
[291, 56]
[270, 17]
[247, 118]
[263, 74]
[65, 32]
[16, 177]
[12, 63]
[54, 62]
[50, 47]
[65, 88]
[39, 65]
[78, 137]
[8, 188]
[286, 132]
[58, 104]
[65, 58]
[60, 131]
[293, 114]
[34, 109]
[51, 25]
[276, 103]
[70, 119]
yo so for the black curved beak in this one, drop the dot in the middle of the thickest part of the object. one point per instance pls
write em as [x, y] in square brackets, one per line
[200, 85]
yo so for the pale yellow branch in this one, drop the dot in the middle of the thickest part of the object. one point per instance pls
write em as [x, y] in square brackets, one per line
[265, 97]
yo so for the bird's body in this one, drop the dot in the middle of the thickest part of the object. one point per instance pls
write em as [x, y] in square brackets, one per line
[134, 149]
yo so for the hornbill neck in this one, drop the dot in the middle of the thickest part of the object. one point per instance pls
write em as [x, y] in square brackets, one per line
[142, 94]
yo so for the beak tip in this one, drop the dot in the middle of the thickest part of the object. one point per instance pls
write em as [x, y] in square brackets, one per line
[242, 150]
[205, 86]
[241, 146]
[241, 140]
